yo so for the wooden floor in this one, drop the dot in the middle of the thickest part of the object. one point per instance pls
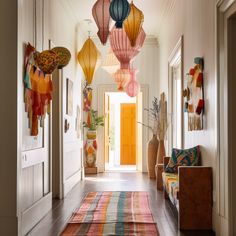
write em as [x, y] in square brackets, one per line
[166, 217]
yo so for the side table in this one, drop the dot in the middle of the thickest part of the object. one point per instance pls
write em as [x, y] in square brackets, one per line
[159, 169]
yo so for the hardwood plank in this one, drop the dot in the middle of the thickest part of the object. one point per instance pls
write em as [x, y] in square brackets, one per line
[164, 213]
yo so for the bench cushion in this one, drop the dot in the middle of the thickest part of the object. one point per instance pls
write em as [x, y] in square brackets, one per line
[183, 157]
[171, 185]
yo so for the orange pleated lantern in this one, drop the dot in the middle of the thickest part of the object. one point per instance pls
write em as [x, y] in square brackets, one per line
[122, 77]
[133, 23]
[88, 57]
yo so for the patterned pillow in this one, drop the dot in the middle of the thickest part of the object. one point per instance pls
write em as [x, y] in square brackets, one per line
[183, 157]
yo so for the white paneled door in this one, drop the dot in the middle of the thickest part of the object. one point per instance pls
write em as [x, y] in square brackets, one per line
[35, 181]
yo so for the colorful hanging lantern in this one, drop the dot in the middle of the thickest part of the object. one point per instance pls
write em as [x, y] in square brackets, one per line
[122, 48]
[87, 58]
[102, 18]
[119, 10]
[47, 61]
[133, 23]
[122, 77]
[111, 63]
[64, 56]
[133, 87]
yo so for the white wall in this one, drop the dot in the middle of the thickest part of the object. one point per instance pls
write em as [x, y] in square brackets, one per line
[196, 21]
[147, 62]
[62, 30]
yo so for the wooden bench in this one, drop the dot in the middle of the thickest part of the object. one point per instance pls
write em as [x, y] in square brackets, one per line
[191, 192]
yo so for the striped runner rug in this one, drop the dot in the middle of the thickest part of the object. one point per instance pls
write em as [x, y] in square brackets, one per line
[113, 213]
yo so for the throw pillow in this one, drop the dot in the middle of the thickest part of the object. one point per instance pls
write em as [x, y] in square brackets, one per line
[183, 157]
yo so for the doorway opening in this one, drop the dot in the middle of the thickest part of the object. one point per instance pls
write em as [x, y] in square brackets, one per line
[121, 129]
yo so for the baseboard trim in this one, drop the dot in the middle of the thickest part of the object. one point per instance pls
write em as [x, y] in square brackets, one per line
[71, 182]
[32, 215]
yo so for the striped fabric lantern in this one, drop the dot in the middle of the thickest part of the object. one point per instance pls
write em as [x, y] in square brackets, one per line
[133, 23]
[119, 10]
[122, 48]
[102, 18]
[133, 87]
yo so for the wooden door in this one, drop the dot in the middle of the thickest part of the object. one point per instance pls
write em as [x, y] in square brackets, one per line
[128, 134]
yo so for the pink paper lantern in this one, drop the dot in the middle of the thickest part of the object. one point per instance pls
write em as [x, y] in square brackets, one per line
[133, 87]
[122, 48]
[102, 18]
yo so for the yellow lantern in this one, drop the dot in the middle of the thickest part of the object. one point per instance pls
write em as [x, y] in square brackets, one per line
[133, 23]
[88, 57]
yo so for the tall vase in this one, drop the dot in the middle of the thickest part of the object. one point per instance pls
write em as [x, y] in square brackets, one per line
[159, 164]
[91, 148]
[152, 154]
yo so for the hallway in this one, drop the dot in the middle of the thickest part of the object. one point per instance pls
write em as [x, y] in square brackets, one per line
[165, 216]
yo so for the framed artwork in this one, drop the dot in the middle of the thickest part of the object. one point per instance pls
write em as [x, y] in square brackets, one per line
[69, 97]
[194, 95]
[78, 122]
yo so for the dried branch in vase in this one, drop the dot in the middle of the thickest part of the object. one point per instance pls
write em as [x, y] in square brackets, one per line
[152, 116]
[162, 119]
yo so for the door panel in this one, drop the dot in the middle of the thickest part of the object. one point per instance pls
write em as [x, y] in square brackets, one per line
[106, 126]
[128, 134]
[35, 174]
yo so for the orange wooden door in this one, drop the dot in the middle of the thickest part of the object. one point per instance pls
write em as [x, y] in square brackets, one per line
[128, 134]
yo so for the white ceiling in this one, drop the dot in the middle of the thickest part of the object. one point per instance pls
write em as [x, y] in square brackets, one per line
[154, 12]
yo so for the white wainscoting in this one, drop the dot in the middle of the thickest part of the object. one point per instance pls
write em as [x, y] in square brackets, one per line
[72, 166]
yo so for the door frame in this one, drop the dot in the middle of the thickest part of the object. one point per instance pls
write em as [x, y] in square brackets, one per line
[175, 59]
[106, 88]
[224, 181]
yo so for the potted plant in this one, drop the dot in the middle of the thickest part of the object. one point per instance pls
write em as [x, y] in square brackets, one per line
[92, 124]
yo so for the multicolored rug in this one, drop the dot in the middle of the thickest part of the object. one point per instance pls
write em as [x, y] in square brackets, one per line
[113, 213]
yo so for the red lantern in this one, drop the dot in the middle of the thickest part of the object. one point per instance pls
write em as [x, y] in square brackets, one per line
[102, 18]
[133, 87]
[122, 48]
